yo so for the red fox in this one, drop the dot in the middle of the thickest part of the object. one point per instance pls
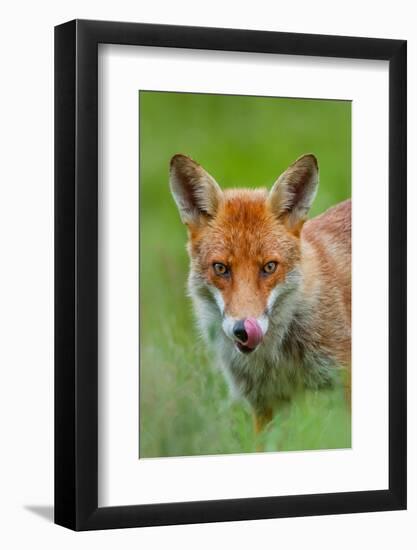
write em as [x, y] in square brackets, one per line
[271, 290]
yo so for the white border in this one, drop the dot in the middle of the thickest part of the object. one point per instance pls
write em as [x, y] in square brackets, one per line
[123, 479]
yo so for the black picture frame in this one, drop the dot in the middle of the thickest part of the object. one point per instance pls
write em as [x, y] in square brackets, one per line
[76, 272]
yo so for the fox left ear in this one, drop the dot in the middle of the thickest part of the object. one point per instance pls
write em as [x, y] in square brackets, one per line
[294, 191]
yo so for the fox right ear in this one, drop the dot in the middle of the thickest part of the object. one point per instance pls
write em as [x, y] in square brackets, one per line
[196, 193]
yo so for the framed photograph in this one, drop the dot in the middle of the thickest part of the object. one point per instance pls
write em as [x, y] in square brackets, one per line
[230, 253]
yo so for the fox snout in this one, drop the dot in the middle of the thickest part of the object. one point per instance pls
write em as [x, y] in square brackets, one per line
[248, 334]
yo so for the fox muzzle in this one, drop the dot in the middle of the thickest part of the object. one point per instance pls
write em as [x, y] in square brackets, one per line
[248, 334]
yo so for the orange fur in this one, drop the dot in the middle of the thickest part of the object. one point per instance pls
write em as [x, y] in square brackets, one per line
[327, 239]
[303, 306]
[244, 235]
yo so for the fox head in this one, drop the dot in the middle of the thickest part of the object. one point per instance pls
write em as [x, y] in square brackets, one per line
[244, 245]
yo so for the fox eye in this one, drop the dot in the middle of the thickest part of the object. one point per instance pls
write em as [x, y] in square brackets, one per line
[221, 269]
[269, 268]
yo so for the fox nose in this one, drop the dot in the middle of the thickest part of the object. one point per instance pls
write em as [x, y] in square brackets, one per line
[248, 334]
[239, 331]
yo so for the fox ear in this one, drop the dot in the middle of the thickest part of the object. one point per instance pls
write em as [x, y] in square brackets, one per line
[293, 193]
[196, 193]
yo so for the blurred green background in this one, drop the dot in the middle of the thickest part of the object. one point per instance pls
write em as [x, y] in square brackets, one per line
[243, 142]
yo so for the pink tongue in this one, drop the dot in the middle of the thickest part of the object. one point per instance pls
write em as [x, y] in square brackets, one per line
[254, 332]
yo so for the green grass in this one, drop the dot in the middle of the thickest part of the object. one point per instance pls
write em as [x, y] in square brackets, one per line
[241, 141]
